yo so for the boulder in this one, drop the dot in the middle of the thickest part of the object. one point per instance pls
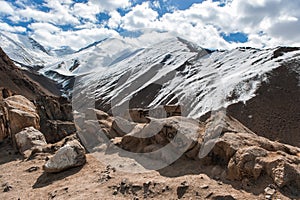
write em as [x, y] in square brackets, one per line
[21, 113]
[70, 155]
[3, 125]
[57, 130]
[243, 163]
[28, 139]
[174, 136]
[93, 114]
[122, 126]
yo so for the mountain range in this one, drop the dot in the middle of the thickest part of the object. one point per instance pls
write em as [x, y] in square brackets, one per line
[250, 84]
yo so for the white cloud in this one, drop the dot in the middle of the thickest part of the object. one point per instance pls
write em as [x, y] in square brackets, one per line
[115, 19]
[8, 28]
[44, 26]
[141, 16]
[75, 39]
[110, 5]
[6, 8]
[266, 22]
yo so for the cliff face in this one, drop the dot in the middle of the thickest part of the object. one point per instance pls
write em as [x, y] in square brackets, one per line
[43, 92]
[26, 83]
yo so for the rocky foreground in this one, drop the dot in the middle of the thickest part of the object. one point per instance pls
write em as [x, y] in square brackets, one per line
[45, 153]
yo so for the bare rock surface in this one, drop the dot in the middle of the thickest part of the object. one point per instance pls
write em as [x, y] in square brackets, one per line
[21, 113]
[28, 139]
[70, 155]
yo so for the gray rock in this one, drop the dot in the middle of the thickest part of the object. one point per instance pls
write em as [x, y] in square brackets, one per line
[69, 156]
[28, 139]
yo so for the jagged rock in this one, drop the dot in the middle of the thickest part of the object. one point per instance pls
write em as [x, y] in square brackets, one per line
[16, 113]
[122, 126]
[58, 129]
[243, 164]
[29, 138]
[181, 133]
[69, 156]
[247, 155]
[94, 114]
[21, 113]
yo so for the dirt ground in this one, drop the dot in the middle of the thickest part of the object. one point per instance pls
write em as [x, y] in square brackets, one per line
[184, 179]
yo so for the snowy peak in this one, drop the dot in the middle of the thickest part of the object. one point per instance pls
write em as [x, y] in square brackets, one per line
[24, 50]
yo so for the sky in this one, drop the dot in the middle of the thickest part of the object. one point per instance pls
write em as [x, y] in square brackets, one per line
[215, 24]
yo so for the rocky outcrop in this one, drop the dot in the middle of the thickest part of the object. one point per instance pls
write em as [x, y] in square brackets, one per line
[28, 139]
[21, 113]
[247, 155]
[56, 118]
[56, 130]
[16, 113]
[70, 155]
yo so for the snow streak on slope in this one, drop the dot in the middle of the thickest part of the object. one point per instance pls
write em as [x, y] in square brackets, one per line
[172, 72]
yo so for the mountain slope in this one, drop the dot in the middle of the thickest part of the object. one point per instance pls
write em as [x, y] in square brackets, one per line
[258, 87]
[24, 50]
[201, 81]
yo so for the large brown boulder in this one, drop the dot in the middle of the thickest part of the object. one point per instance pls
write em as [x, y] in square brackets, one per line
[16, 113]
[21, 113]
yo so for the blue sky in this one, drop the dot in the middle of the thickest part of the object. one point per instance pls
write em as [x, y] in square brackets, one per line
[209, 23]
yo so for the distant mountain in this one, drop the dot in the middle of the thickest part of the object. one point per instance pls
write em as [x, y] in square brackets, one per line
[62, 51]
[24, 50]
[122, 74]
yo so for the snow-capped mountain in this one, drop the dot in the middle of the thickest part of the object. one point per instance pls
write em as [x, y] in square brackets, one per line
[173, 72]
[259, 87]
[24, 50]
[122, 73]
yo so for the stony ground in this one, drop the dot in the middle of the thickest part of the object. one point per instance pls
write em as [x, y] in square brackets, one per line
[21, 179]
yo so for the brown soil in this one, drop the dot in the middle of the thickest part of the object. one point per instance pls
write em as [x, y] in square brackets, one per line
[183, 179]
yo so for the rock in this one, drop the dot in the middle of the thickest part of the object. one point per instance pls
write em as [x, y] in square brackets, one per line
[181, 190]
[7, 187]
[181, 133]
[204, 187]
[57, 130]
[21, 113]
[269, 191]
[69, 156]
[32, 169]
[29, 138]
[138, 115]
[93, 114]
[122, 126]
[243, 164]
[4, 130]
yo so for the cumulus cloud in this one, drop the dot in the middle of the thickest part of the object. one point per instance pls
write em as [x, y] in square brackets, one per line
[75, 39]
[8, 28]
[265, 22]
[6, 8]
[141, 16]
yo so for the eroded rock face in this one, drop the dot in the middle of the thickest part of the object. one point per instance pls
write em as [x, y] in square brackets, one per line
[57, 130]
[247, 155]
[28, 139]
[21, 113]
[70, 155]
